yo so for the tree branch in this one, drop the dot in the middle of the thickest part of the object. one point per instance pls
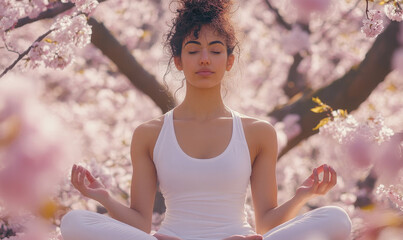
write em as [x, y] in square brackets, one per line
[349, 91]
[279, 18]
[20, 56]
[128, 66]
[296, 82]
[109, 45]
[50, 13]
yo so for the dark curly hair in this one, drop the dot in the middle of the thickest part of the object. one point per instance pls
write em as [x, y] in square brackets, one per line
[191, 16]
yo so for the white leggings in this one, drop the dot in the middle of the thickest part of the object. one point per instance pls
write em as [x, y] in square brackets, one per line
[325, 223]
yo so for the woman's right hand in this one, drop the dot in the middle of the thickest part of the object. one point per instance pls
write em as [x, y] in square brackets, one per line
[92, 188]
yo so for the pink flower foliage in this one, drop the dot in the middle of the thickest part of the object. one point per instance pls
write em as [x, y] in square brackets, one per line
[392, 194]
[70, 31]
[56, 51]
[26, 226]
[309, 6]
[389, 160]
[367, 144]
[289, 125]
[296, 40]
[103, 106]
[85, 6]
[393, 12]
[12, 10]
[373, 25]
[35, 148]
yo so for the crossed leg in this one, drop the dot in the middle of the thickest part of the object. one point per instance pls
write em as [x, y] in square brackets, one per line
[326, 223]
[82, 224]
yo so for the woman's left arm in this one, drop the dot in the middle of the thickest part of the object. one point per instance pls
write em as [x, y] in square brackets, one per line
[264, 187]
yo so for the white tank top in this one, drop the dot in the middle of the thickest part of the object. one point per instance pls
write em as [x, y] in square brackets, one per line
[205, 198]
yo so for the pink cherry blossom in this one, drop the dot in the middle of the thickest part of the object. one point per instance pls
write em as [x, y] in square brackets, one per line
[312, 5]
[296, 40]
[393, 12]
[360, 152]
[96, 100]
[389, 160]
[35, 149]
[86, 6]
[373, 25]
[393, 193]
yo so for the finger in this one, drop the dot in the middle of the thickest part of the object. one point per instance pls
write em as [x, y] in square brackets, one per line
[81, 176]
[333, 178]
[323, 186]
[74, 173]
[315, 179]
[89, 176]
[326, 173]
[321, 168]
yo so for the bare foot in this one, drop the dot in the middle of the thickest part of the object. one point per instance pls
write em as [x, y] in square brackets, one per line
[240, 237]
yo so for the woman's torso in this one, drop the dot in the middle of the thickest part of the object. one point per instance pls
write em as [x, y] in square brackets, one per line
[204, 170]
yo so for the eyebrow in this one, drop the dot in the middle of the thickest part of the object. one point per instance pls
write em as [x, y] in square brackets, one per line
[211, 43]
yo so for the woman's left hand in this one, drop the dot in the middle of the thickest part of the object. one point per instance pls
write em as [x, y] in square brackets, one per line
[313, 186]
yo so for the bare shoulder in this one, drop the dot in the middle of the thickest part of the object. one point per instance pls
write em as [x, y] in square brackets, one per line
[146, 134]
[149, 127]
[257, 127]
[260, 136]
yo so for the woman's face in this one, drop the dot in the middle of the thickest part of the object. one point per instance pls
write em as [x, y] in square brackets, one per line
[204, 60]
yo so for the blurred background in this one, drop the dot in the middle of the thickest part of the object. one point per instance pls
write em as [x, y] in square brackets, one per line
[77, 77]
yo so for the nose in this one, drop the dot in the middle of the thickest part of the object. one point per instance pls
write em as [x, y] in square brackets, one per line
[204, 59]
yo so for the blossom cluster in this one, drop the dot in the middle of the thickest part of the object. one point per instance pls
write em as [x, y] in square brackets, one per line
[393, 12]
[393, 194]
[35, 155]
[306, 8]
[12, 10]
[85, 6]
[69, 32]
[296, 41]
[57, 50]
[367, 143]
[373, 25]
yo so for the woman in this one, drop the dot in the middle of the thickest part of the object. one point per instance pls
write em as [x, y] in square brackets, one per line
[204, 155]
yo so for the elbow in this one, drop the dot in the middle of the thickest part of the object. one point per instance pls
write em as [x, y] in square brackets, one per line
[261, 230]
[147, 226]
[263, 222]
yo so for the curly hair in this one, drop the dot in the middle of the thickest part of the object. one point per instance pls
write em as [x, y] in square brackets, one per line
[191, 15]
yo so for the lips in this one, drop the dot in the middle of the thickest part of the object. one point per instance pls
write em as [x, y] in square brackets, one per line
[204, 72]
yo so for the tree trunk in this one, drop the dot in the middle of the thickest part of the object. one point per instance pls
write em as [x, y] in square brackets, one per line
[349, 91]
[127, 65]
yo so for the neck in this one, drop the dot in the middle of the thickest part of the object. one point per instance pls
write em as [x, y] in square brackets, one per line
[202, 104]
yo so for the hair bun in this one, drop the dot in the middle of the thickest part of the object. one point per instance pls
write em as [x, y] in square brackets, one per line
[203, 10]
[191, 15]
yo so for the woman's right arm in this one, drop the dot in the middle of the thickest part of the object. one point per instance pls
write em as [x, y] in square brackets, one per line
[143, 185]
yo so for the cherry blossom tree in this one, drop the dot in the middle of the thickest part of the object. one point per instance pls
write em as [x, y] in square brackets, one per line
[78, 76]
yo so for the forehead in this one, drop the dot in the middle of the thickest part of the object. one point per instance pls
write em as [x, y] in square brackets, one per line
[206, 34]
